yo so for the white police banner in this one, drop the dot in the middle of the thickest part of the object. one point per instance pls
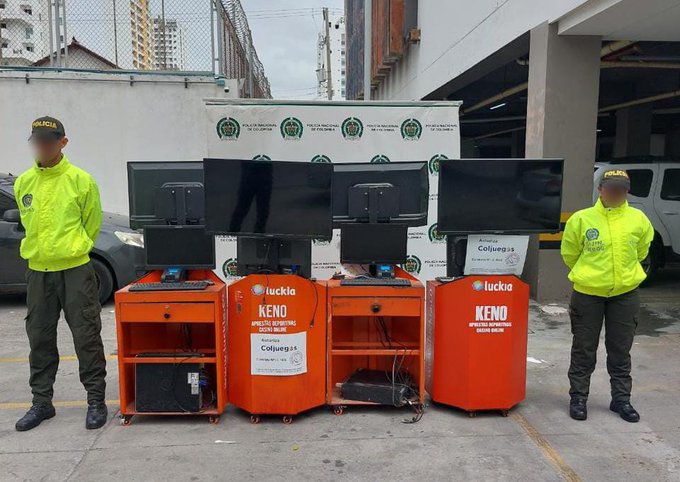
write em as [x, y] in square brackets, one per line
[496, 254]
[336, 132]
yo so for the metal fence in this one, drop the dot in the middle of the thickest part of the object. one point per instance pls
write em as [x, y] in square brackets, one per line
[152, 35]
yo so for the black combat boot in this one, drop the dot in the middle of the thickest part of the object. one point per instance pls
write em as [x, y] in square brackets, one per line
[578, 409]
[97, 414]
[36, 414]
[625, 410]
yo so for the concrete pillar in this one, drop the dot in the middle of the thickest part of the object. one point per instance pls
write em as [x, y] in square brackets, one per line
[633, 131]
[562, 101]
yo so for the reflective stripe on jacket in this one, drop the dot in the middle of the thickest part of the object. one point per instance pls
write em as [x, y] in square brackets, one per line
[603, 248]
[61, 212]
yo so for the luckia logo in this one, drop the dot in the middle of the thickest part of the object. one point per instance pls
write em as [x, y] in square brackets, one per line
[380, 159]
[352, 128]
[412, 265]
[411, 129]
[321, 158]
[277, 291]
[493, 286]
[434, 234]
[228, 129]
[433, 163]
[257, 289]
[291, 128]
[230, 268]
[261, 157]
[321, 242]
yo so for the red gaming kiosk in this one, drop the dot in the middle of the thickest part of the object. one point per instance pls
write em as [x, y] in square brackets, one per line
[477, 344]
[477, 319]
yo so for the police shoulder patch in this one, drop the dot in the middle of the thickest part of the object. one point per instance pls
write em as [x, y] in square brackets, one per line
[27, 200]
[592, 234]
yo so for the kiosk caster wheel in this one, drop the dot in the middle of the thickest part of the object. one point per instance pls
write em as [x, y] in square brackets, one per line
[472, 414]
[254, 419]
[504, 413]
[125, 420]
[214, 419]
[287, 419]
[338, 410]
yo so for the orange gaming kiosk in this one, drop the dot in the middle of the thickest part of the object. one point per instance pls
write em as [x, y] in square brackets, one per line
[375, 328]
[477, 342]
[162, 334]
[277, 345]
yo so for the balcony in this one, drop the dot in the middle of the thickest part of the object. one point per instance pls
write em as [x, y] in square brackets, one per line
[14, 13]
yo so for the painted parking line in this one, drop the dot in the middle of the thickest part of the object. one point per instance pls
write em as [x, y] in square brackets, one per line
[548, 451]
[57, 404]
[24, 359]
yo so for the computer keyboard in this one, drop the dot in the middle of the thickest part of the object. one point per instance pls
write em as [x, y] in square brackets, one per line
[176, 286]
[375, 282]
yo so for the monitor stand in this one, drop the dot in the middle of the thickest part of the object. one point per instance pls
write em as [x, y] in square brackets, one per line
[270, 255]
[456, 250]
[381, 271]
[173, 275]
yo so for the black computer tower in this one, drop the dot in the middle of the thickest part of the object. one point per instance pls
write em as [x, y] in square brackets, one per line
[169, 387]
[374, 386]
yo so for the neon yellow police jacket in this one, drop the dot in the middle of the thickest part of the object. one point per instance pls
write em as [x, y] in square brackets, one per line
[61, 212]
[603, 248]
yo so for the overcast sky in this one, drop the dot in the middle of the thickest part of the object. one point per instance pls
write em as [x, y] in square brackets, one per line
[285, 40]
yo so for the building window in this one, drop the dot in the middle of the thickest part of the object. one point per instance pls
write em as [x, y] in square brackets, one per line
[29, 32]
[640, 182]
[670, 189]
[27, 9]
[3, 25]
[5, 44]
[29, 48]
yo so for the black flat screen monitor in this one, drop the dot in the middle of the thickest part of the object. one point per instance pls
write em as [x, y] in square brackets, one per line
[271, 198]
[366, 243]
[151, 204]
[187, 247]
[401, 197]
[261, 255]
[513, 196]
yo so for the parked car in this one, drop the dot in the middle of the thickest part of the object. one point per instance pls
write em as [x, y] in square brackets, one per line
[117, 255]
[655, 189]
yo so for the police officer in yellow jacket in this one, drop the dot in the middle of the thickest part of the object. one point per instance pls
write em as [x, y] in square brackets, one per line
[61, 213]
[603, 246]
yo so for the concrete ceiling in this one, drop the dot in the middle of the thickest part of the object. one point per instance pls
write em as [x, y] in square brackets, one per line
[625, 20]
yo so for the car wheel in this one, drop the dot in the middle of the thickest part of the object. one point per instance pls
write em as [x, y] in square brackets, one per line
[105, 279]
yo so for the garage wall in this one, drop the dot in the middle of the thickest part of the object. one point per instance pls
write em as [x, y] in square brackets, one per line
[107, 120]
[457, 35]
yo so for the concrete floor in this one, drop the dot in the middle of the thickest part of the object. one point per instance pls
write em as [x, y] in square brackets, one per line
[537, 442]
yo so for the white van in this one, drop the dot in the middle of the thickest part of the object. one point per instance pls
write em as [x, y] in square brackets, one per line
[654, 189]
